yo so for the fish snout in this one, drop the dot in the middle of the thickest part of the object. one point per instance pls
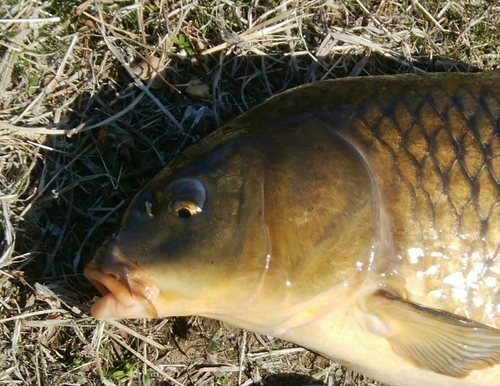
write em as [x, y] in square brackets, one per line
[127, 291]
[104, 251]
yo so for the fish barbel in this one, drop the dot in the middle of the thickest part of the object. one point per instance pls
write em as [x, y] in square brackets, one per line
[359, 218]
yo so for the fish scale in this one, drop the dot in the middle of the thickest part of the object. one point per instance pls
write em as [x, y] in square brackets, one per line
[437, 160]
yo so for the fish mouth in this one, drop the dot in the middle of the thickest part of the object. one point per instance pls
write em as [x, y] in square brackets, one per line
[125, 289]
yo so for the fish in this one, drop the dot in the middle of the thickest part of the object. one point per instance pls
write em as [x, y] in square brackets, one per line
[356, 217]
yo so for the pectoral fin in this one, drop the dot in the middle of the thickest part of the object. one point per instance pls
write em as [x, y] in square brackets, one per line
[435, 340]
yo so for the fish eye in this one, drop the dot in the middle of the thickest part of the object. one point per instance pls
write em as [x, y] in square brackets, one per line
[189, 197]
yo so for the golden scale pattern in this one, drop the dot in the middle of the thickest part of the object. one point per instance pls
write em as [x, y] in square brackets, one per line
[436, 159]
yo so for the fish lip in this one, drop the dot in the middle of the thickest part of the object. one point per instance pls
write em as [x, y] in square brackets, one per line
[126, 290]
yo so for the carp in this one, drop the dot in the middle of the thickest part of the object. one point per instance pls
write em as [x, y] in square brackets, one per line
[357, 217]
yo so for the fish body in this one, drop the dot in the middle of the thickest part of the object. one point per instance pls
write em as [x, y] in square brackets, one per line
[359, 218]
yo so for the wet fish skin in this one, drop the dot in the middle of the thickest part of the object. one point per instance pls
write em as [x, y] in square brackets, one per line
[356, 217]
[435, 162]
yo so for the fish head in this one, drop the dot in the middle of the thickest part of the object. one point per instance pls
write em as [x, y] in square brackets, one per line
[252, 228]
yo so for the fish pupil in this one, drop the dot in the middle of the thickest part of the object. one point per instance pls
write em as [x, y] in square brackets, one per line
[184, 213]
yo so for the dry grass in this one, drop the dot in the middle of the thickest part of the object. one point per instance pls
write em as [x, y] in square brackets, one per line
[84, 124]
